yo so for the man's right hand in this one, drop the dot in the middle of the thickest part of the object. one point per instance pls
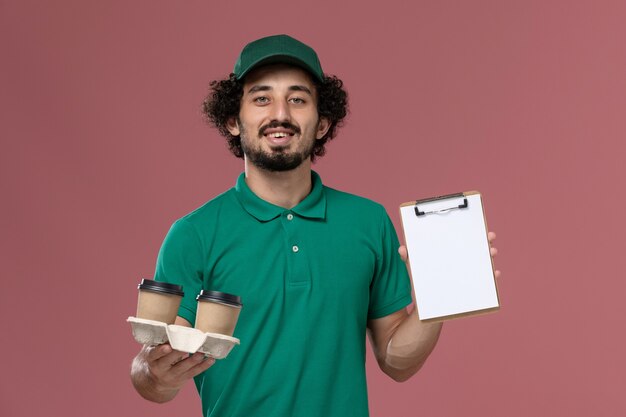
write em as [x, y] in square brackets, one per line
[159, 372]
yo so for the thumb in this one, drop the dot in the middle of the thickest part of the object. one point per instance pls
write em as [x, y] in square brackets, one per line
[403, 253]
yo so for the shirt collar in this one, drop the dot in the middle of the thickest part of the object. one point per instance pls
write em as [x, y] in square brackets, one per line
[313, 206]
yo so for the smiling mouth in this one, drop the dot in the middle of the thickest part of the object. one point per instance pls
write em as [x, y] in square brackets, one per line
[279, 135]
[279, 139]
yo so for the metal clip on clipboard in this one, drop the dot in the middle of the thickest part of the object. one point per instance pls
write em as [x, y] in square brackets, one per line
[428, 200]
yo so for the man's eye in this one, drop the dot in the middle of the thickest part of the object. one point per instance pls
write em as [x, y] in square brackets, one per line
[297, 100]
[261, 99]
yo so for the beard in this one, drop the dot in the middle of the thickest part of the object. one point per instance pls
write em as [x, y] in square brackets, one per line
[278, 159]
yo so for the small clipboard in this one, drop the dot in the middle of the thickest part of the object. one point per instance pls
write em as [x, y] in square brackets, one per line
[449, 257]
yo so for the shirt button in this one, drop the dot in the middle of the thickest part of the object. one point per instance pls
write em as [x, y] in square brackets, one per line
[290, 216]
[295, 248]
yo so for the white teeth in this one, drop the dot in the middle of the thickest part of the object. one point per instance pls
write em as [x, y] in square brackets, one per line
[278, 135]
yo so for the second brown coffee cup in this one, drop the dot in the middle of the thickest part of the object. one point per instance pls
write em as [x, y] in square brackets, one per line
[217, 312]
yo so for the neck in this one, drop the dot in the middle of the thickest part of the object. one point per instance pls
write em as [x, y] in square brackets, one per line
[284, 189]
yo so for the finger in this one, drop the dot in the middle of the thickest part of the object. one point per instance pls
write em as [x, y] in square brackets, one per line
[493, 251]
[189, 363]
[403, 253]
[491, 236]
[157, 352]
[498, 274]
[171, 359]
[205, 363]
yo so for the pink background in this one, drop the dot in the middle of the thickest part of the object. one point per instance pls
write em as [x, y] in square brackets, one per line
[103, 146]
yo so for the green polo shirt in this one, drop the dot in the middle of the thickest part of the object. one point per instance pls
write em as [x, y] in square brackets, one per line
[309, 278]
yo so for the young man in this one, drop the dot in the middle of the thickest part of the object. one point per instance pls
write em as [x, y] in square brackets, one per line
[316, 268]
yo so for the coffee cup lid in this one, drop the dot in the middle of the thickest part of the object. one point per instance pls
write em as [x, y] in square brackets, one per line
[164, 287]
[220, 297]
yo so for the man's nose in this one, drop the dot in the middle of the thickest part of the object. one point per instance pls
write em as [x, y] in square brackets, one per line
[280, 111]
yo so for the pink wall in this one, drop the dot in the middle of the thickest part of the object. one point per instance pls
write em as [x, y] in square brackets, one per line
[103, 146]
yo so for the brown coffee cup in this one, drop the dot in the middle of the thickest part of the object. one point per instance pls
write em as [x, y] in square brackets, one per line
[158, 301]
[217, 312]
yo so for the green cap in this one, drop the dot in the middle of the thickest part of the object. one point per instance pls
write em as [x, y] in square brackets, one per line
[277, 49]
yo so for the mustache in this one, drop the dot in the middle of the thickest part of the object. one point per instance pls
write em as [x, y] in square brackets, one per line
[284, 125]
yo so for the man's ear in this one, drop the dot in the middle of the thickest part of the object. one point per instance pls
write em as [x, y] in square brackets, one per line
[322, 127]
[233, 126]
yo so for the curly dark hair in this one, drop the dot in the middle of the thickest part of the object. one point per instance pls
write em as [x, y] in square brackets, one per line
[224, 100]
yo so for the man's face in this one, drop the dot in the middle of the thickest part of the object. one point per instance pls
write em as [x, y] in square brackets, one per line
[278, 121]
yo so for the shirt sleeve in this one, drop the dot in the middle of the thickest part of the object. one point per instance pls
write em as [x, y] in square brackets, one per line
[180, 261]
[390, 289]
